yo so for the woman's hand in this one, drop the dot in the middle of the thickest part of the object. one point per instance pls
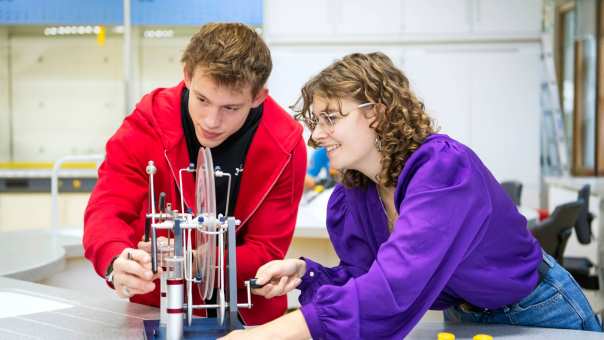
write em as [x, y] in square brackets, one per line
[239, 334]
[290, 326]
[279, 277]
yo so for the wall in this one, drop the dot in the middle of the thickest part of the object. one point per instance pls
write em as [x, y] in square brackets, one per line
[475, 64]
[67, 95]
[5, 115]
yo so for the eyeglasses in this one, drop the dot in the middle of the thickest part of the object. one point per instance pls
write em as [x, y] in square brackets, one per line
[328, 120]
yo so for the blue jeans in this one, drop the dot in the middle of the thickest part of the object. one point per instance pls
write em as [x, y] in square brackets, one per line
[556, 302]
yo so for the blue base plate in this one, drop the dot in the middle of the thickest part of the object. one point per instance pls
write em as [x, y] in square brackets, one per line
[201, 328]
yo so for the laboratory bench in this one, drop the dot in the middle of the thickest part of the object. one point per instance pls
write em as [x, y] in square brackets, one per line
[30, 310]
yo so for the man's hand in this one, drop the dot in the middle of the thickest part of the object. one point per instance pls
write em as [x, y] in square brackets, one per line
[162, 242]
[132, 273]
[279, 277]
[165, 247]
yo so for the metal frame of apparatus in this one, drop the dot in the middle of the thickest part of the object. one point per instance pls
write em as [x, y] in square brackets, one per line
[176, 278]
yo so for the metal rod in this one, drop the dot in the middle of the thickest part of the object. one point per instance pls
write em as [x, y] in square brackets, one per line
[231, 240]
[127, 58]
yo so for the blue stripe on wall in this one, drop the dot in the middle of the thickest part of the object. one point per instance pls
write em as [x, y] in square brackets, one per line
[144, 12]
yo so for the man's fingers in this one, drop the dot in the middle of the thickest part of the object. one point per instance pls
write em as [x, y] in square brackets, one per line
[140, 256]
[134, 283]
[123, 265]
[146, 246]
[127, 285]
[135, 255]
[161, 243]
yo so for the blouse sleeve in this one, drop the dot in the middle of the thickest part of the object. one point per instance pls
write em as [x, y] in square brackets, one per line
[316, 275]
[440, 217]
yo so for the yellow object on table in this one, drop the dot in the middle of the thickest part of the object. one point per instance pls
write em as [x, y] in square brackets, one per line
[446, 336]
[482, 337]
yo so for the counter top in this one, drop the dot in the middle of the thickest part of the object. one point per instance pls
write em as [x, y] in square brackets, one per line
[38, 311]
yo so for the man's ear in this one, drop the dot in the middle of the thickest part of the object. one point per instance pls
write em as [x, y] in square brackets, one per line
[260, 97]
[187, 76]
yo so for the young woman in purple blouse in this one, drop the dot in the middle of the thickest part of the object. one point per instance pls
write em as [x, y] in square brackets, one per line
[418, 223]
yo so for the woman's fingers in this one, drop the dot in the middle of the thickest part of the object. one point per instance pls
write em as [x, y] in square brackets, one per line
[266, 272]
[274, 270]
[292, 284]
[278, 277]
[276, 289]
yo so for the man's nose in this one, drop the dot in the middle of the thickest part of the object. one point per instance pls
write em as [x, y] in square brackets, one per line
[212, 118]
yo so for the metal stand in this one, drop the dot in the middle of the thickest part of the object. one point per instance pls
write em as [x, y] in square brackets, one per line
[177, 278]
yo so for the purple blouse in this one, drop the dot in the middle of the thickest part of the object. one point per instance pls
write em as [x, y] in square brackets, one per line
[458, 238]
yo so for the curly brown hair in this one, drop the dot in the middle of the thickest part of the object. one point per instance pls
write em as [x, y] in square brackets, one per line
[233, 54]
[401, 122]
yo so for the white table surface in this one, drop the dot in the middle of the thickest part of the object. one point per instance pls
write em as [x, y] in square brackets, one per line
[66, 314]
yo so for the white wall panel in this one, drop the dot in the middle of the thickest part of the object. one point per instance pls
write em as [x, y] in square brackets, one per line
[506, 114]
[294, 66]
[377, 17]
[440, 17]
[440, 78]
[507, 16]
[67, 95]
[400, 20]
[299, 18]
[160, 64]
[4, 96]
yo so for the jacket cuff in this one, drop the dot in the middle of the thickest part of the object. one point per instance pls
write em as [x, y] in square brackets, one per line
[106, 255]
[312, 321]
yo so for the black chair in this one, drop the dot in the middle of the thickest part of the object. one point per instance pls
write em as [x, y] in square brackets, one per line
[554, 232]
[513, 189]
[580, 267]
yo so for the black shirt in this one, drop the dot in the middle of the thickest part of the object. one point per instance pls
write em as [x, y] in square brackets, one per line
[229, 156]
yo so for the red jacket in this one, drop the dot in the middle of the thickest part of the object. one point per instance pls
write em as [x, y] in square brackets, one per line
[267, 204]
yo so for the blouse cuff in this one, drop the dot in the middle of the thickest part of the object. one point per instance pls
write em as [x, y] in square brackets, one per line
[309, 276]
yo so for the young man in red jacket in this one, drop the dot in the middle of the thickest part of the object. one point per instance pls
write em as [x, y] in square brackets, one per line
[223, 105]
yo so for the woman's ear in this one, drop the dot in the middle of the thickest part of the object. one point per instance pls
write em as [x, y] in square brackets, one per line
[380, 108]
[377, 110]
